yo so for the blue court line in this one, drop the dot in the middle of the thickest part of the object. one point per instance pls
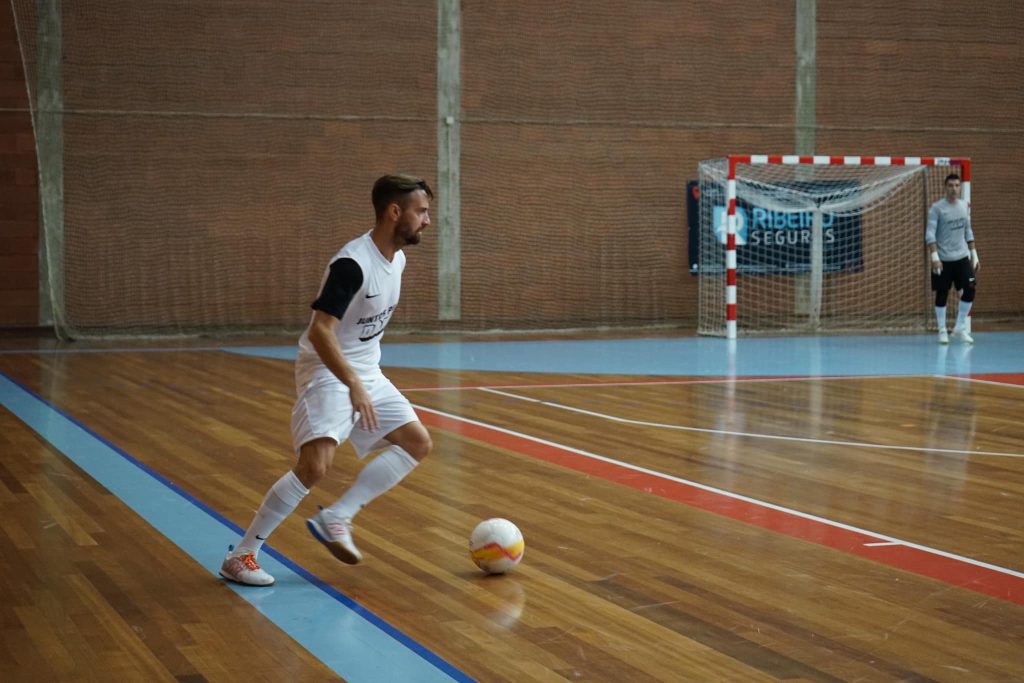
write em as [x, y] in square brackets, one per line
[120, 349]
[993, 352]
[352, 641]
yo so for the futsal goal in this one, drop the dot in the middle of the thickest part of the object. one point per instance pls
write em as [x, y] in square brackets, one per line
[817, 244]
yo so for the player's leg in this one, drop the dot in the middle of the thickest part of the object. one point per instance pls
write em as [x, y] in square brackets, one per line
[281, 500]
[407, 443]
[284, 496]
[321, 418]
[964, 280]
[940, 285]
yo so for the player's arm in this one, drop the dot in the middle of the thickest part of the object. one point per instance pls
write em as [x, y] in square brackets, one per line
[969, 235]
[975, 262]
[929, 239]
[344, 279]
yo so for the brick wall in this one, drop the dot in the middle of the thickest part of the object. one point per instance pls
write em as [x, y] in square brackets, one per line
[582, 122]
[926, 78]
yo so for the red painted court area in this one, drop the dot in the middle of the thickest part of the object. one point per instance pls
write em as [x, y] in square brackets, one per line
[1002, 377]
[958, 571]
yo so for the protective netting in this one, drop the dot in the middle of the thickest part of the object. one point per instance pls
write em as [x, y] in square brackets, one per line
[820, 248]
[213, 155]
[200, 161]
[582, 124]
[206, 159]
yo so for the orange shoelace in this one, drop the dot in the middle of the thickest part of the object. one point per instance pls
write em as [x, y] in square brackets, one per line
[250, 562]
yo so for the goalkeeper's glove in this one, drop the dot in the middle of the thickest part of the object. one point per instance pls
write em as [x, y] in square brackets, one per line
[975, 263]
[936, 263]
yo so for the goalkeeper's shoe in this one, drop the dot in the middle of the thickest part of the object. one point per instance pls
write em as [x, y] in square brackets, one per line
[961, 334]
[943, 337]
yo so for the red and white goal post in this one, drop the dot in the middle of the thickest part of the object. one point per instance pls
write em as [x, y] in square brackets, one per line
[817, 244]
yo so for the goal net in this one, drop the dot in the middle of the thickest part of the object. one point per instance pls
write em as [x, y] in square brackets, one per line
[817, 245]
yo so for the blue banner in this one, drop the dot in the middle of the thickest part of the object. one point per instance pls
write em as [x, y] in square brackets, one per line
[774, 242]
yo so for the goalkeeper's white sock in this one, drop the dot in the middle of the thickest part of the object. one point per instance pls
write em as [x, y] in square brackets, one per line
[940, 317]
[963, 316]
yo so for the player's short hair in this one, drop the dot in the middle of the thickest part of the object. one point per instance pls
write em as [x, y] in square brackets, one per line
[951, 176]
[396, 188]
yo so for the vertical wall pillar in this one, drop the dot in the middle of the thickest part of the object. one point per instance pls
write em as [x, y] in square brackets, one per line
[806, 76]
[806, 119]
[48, 109]
[449, 94]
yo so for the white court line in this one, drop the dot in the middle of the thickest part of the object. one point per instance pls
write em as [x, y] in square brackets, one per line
[644, 383]
[728, 494]
[752, 435]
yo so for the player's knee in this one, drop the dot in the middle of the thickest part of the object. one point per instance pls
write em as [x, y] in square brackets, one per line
[421, 448]
[941, 297]
[311, 473]
[419, 444]
[413, 438]
[968, 294]
[314, 461]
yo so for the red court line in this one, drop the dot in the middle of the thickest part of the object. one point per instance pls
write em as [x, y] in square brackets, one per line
[1001, 377]
[955, 571]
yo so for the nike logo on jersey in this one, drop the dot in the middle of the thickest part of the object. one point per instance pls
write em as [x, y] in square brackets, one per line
[260, 537]
[375, 334]
[373, 296]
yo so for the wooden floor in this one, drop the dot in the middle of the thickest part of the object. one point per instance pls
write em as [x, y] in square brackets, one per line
[622, 580]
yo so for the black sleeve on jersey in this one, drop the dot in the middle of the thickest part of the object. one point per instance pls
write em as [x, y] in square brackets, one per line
[343, 281]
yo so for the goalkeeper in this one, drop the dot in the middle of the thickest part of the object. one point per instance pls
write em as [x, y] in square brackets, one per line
[954, 259]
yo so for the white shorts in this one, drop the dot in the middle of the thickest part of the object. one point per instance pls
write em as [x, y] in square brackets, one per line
[324, 410]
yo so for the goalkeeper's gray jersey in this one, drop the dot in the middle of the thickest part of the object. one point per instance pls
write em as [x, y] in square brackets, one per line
[949, 227]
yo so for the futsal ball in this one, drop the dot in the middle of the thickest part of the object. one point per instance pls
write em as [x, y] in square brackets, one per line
[496, 545]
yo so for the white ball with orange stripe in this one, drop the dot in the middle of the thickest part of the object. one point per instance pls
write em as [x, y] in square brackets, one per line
[496, 545]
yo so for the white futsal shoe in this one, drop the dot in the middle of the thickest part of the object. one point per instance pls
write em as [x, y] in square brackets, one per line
[961, 334]
[943, 336]
[336, 535]
[244, 569]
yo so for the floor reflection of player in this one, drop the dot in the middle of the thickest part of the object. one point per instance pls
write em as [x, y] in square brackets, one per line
[952, 418]
[955, 362]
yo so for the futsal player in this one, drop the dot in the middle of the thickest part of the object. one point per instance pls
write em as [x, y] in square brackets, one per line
[342, 393]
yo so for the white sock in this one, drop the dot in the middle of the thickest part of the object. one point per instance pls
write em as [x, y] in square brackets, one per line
[281, 500]
[379, 475]
[962, 314]
[940, 317]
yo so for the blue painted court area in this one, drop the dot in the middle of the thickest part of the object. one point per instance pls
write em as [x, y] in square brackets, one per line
[992, 352]
[350, 640]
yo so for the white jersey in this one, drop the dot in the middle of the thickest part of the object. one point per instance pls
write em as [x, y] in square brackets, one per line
[949, 228]
[365, 318]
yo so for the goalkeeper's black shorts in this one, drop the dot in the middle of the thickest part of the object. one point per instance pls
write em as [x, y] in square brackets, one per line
[959, 273]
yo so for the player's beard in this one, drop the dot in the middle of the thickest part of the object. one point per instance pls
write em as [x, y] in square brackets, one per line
[408, 233]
